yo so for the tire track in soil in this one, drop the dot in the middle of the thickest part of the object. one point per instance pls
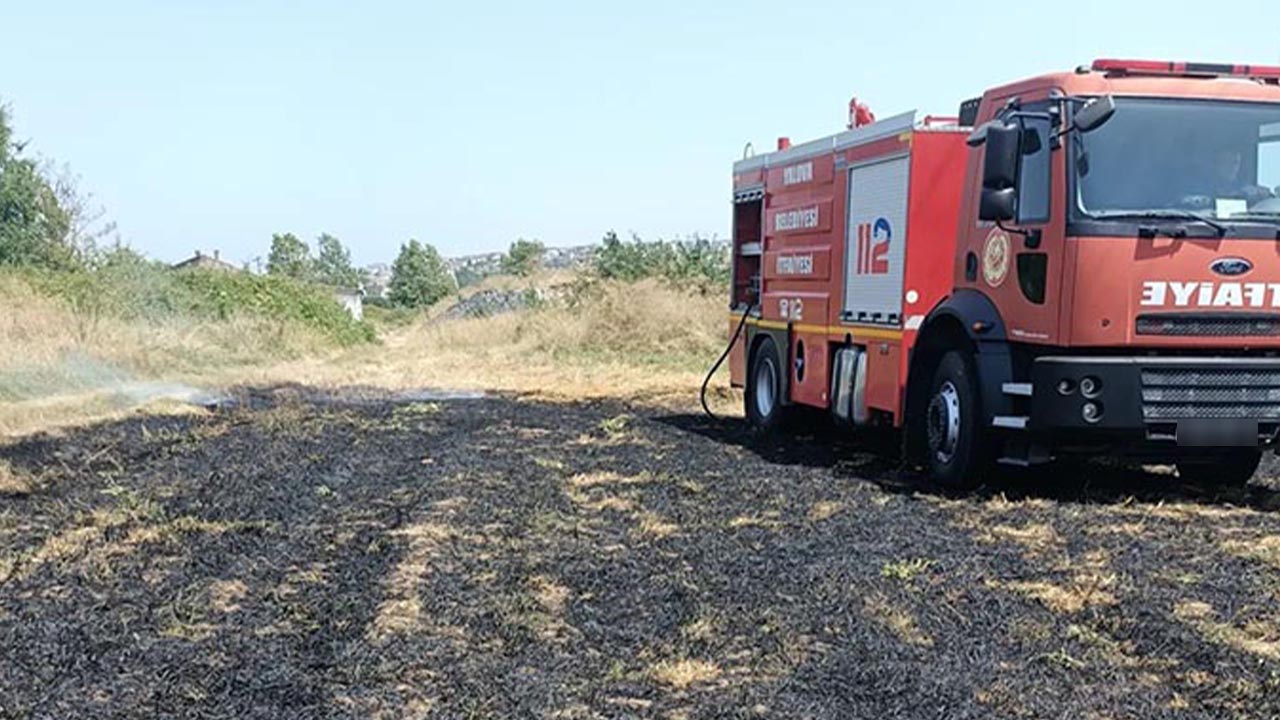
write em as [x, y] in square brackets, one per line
[301, 555]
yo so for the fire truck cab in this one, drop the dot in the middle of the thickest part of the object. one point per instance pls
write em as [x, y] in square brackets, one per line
[1082, 262]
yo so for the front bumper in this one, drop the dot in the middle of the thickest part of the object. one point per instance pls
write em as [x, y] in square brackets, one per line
[1145, 398]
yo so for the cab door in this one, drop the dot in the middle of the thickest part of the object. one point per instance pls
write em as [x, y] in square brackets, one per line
[1020, 266]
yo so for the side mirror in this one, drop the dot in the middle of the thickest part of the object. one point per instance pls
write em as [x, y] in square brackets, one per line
[1094, 114]
[1004, 149]
[997, 205]
[999, 198]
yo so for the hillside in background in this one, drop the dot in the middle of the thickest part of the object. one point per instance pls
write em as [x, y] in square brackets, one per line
[92, 344]
[469, 270]
[485, 264]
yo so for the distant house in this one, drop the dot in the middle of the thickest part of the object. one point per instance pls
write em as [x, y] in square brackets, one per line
[351, 300]
[205, 262]
[377, 280]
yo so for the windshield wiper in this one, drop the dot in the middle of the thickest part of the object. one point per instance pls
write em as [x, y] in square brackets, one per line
[1169, 214]
[1177, 232]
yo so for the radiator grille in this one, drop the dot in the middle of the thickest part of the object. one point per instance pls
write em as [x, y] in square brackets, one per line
[1173, 394]
[1209, 324]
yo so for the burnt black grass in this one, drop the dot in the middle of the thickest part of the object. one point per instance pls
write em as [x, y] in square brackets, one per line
[354, 555]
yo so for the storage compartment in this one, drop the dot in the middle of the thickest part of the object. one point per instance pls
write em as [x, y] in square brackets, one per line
[876, 242]
[748, 230]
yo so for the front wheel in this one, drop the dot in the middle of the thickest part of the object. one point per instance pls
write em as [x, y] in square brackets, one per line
[956, 447]
[764, 402]
[1231, 468]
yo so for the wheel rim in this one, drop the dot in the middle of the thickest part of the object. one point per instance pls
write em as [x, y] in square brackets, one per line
[766, 388]
[944, 422]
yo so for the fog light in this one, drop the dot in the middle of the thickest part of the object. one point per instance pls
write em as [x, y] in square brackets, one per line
[1090, 387]
[1091, 412]
[1066, 386]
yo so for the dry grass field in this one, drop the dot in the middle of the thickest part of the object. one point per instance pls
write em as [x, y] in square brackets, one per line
[644, 341]
[630, 340]
[62, 365]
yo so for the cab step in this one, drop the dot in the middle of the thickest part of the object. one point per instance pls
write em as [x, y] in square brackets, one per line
[1017, 389]
[1010, 422]
[1015, 462]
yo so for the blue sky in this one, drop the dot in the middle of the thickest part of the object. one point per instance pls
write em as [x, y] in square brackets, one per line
[214, 124]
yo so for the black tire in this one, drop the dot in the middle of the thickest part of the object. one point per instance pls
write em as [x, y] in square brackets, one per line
[765, 410]
[955, 447]
[1229, 468]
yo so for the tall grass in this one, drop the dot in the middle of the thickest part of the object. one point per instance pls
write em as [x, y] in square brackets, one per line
[52, 344]
[65, 336]
[648, 338]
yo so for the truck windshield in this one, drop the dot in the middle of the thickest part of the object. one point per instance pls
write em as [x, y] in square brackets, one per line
[1176, 157]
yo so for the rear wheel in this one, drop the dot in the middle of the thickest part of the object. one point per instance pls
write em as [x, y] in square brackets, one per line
[1234, 467]
[954, 439]
[764, 403]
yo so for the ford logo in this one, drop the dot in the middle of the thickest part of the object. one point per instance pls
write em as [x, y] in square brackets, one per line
[1231, 266]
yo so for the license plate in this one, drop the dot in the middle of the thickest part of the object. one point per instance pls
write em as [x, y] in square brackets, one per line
[1218, 433]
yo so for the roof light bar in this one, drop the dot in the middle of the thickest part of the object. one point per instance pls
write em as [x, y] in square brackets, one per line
[1185, 69]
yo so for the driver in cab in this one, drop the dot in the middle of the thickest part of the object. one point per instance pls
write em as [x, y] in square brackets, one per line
[1226, 181]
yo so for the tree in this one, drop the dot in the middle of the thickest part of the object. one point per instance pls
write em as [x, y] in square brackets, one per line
[617, 259]
[419, 277]
[87, 223]
[695, 260]
[33, 226]
[523, 257]
[6, 133]
[289, 257]
[333, 263]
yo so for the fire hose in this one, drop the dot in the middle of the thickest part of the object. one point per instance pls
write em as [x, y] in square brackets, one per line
[720, 361]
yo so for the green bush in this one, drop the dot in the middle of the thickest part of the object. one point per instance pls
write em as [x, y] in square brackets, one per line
[223, 294]
[125, 285]
[121, 284]
[696, 260]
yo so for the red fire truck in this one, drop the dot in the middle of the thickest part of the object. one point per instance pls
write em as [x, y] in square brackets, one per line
[1083, 262]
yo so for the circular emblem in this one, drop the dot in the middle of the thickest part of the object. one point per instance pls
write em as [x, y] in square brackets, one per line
[995, 258]
[1231, 266]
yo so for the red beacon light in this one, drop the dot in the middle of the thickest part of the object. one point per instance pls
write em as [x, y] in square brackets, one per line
[1186, 69]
